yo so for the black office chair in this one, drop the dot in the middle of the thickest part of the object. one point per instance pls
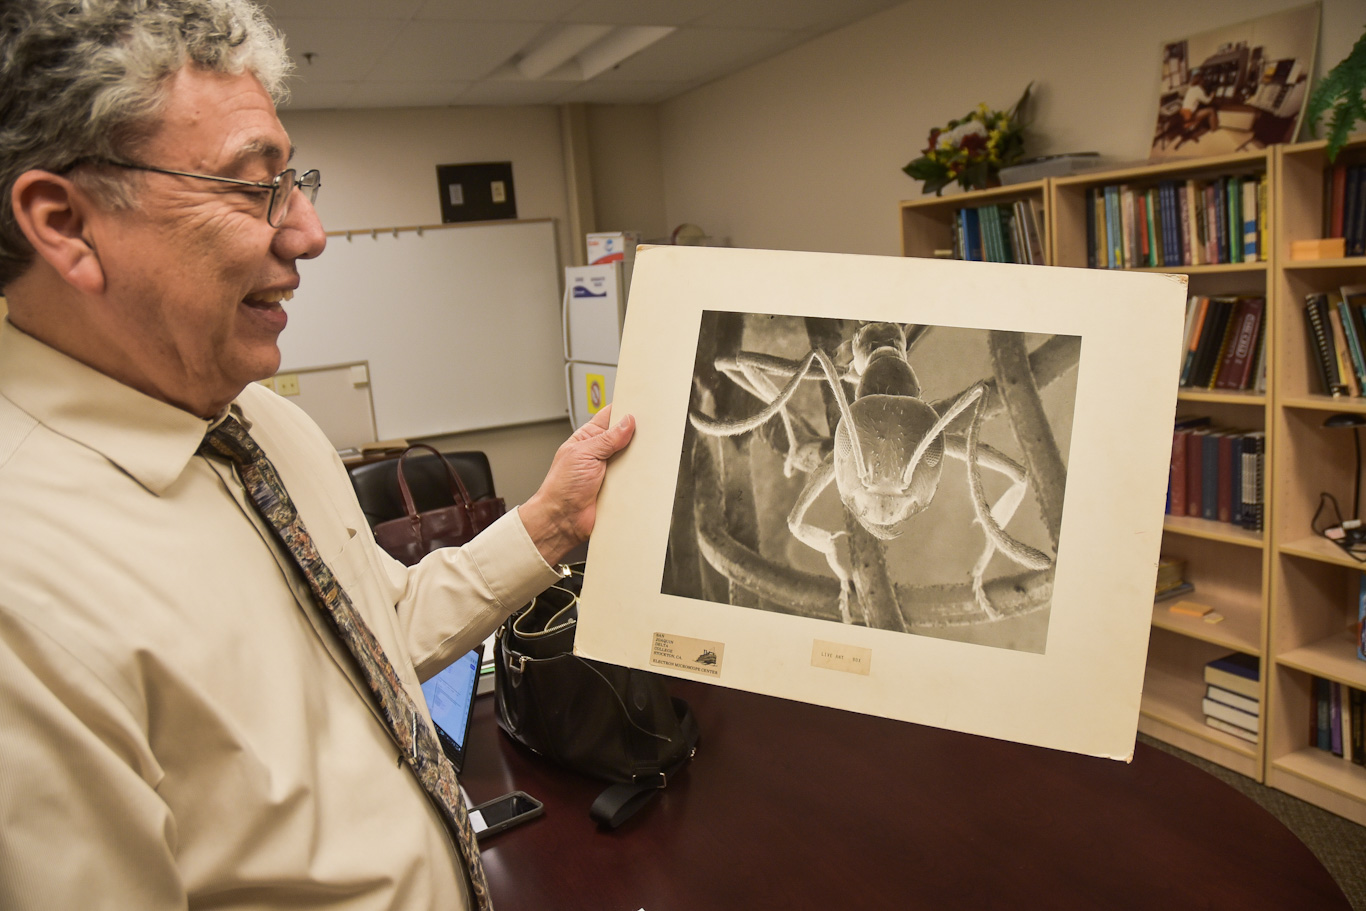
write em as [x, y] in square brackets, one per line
[376, 483]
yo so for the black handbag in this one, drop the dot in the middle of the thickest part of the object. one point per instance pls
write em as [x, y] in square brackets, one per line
[417, 534]
[612, 723]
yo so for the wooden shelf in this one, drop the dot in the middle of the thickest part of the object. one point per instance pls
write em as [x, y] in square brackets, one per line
[1213, 531]
[1286, 594]
[1223, 396]
[1315, 583]
[1334, 658]
[1170, 711]
[1239, 631]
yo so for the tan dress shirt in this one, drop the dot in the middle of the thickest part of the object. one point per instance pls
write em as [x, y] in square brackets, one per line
[178, 725]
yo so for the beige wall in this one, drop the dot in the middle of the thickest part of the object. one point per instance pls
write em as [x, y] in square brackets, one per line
[379, 170]
[628, 169]
[804, 151]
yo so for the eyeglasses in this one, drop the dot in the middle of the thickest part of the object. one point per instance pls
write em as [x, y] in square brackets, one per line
[281, 187]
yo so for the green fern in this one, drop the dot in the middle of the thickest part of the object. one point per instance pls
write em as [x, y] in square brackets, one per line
[1344, 90]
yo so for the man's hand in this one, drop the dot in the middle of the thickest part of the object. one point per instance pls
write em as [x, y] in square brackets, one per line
[560, 515]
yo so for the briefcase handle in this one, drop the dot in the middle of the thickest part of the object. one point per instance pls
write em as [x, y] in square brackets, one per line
[458, 491]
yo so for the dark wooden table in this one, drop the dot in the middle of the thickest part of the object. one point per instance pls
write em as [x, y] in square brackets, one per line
[795, 806]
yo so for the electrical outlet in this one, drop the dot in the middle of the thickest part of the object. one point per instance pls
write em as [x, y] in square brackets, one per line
[287, 384]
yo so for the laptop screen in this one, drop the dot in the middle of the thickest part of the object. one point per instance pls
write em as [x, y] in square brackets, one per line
[450, 699]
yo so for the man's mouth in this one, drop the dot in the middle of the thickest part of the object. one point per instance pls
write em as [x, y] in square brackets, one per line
[268, 297]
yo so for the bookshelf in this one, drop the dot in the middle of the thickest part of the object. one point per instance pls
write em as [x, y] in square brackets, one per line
[927, 225]
[1315, 584]
[1228, 565]
[1288, 596]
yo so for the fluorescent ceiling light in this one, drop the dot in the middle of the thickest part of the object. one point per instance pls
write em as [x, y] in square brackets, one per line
[617, 46]
[559, 48]
[580, 52]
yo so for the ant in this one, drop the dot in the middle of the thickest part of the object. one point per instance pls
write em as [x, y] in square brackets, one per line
[888, 448]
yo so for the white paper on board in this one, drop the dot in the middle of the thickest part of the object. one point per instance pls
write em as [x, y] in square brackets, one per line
[977, 554]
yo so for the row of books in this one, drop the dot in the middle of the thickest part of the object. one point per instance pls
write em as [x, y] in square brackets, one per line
[1233, 695]
[1345, 212]
[1336, 327]
[1217, 473]
[1225, 343]
[1337, 720]
[1006, 233]
[1177, 223]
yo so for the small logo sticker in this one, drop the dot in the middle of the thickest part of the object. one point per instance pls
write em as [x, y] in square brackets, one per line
[835, 656]
[685, 654]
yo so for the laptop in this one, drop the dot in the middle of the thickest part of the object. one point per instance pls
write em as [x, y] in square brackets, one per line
[450, 700]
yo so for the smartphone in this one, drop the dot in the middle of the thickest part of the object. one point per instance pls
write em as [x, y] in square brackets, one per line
[502, 813]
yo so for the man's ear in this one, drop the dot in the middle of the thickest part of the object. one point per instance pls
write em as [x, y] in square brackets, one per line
[54, 214]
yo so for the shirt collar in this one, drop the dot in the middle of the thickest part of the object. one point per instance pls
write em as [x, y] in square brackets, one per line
[149, 439]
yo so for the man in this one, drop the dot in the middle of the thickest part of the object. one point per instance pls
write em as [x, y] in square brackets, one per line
[186, 718]
[1197, 106]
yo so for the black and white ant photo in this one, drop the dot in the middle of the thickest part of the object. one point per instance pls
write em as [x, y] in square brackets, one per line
[897, 476]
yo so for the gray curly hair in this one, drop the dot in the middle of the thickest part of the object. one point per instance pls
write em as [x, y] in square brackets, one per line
[84, 78]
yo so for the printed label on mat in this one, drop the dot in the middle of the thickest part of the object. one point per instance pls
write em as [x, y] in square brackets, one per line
[685, 654]
[835, 656]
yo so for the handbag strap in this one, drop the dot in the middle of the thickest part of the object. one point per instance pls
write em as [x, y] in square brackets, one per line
[620, 802]
[458, 491]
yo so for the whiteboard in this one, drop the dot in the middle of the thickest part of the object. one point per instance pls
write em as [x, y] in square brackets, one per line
[460, 324]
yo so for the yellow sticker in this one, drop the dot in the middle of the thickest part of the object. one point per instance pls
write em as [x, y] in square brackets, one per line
[597, 392]
[685, 654]
[835, 656]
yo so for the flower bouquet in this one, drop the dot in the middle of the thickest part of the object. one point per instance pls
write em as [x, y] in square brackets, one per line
[973, 149]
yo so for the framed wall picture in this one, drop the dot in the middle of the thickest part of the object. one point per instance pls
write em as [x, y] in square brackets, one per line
[920, 489]
[476, 192]
[1236, 88]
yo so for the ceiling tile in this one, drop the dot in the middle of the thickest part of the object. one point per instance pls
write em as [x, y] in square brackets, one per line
[406, 94]
[642, 12]
[452, 50]
[341, 9]
[690, 54]
[496, 10]
[306, 95]
[598, 92]
[509, 92]
[790, 14]
[343, 50]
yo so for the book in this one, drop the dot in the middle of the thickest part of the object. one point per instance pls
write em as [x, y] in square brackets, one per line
[1195, 470]
[1335, 718]
[1322, 352]
[972, 234]
[1193, 346]
[1235, 370]
[1224, 476]
[1361, 619]
[1341, 353]
[1220, 725]
[1177, 484]
[1209, 474]
[1336, 196]
[1250, 248]
[1190, 210]
[1236, 700]
[1245, 720]
[1098, 217]
[1357, 712]
[1236, 672]
[1322, 733]
[1185, 588]
[1212, 340]
[1356, 345]
[1253, 474]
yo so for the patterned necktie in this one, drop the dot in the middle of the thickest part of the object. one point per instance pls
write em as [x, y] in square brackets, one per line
[230, 440]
